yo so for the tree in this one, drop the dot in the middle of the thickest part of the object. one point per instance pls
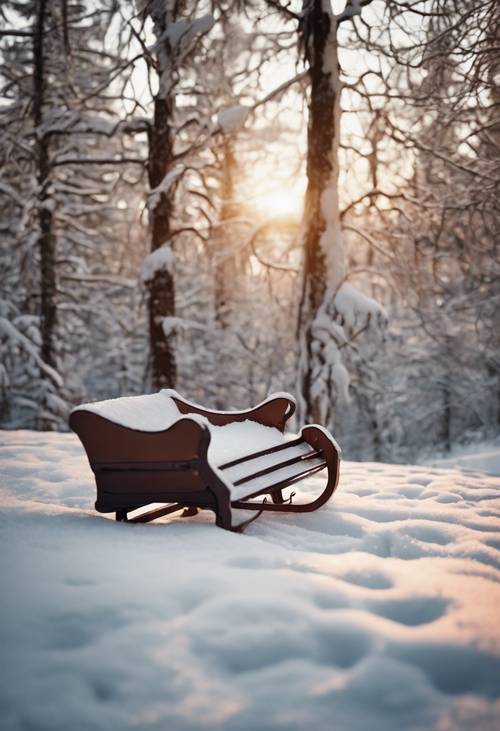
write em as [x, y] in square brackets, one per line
[177, 34]
[429, 216]
[59, 175]
[329, 305]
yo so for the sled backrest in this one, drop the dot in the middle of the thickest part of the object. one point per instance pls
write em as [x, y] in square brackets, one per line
[108, 442]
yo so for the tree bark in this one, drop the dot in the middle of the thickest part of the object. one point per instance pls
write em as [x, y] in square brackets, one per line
[225, 265]
[161, 287]
[46, 239]
[225, 273]
[323, 252]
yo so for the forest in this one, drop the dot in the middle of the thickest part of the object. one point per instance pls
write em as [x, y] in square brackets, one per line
[232, 198]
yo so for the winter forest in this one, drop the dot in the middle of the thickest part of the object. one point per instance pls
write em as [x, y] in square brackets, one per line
[233, 198]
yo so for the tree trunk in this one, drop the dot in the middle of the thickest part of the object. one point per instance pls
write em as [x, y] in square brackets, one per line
[225, 272]
[46, 240]
[323, 247]
[225, 265]
[446, 417]
[161, 286]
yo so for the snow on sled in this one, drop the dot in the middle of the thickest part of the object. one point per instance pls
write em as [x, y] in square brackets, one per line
[160, 448]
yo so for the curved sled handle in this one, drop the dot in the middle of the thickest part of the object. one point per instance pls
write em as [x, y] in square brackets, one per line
[274, 411]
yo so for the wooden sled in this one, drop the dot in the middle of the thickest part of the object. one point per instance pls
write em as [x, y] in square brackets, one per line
[160, 448]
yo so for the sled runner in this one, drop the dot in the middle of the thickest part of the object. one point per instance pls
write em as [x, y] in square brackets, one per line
[160, 448]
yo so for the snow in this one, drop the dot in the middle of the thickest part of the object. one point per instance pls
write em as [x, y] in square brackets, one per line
[174, 42]
[378, 611]
[484, 456]
[183, 32]
[150, 412]
[233, 118]
[352, 8]
[332, 239]
[160, 260]
[172, 325]
[16, 338]
[171, 177]
[240, 438]
[356, 308]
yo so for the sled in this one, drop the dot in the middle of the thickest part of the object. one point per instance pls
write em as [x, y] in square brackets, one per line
[160, 448]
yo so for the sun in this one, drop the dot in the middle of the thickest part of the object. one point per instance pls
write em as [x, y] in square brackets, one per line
[279, 203]
[284, 204]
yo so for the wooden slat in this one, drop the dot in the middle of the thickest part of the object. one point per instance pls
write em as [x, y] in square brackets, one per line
[148, 466]
[274, 460]
[154, 514]
[278, 465]
[281, 477]
[262, 453]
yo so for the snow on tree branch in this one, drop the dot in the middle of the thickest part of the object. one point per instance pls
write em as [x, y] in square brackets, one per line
[171, 177]
[356, 308]
[160, 260]
[232, 118]
[16, 338]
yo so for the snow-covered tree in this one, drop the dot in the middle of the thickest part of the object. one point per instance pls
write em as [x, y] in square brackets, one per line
[331, 309]
[61, 169]
[177, 31]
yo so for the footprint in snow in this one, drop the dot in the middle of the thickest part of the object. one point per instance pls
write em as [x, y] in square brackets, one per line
[369, 579]
[75, 630]
[412, 612]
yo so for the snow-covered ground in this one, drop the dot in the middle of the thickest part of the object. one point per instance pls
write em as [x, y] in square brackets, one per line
[379, 611]
[484, 456]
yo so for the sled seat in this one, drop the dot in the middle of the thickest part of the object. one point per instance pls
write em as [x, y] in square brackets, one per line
[160, 448]
[279, 466]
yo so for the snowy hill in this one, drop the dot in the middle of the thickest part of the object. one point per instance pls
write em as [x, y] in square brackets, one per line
[378, 612]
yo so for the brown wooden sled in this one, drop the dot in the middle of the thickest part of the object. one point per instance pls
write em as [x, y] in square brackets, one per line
[134, 468]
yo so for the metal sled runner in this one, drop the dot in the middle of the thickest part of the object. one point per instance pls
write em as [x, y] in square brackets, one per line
[161, 448]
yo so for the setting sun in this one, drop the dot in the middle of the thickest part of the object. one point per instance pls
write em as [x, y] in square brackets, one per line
[280, 203]
[283, 203]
